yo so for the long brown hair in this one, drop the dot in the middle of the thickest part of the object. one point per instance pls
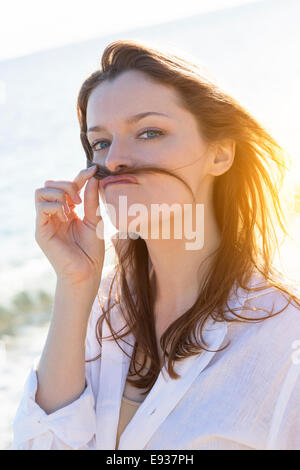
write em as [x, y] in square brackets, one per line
[246, 204]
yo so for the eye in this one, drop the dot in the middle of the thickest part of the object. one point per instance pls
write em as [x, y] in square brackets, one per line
[155, 131]
[152, 130]
[93, 145]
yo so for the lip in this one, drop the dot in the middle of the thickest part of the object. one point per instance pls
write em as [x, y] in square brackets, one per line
[126, 178]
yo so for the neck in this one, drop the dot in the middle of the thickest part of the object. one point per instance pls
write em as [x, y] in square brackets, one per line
[176, 273]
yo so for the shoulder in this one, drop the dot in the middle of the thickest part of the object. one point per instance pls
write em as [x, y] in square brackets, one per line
[264, 342]
[271, 299]
[278, 316]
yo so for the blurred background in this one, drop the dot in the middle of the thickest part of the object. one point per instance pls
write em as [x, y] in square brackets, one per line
[47, 50]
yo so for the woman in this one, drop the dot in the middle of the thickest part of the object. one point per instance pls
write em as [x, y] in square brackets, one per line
[198, 350]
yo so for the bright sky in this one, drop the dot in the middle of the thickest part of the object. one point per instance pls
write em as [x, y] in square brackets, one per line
[28, 26]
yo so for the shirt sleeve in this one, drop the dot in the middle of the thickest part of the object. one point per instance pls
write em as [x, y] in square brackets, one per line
[285, 427]
[280, 353]
[72, 427]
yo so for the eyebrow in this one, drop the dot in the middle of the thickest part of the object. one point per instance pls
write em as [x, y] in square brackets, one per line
[130, 120]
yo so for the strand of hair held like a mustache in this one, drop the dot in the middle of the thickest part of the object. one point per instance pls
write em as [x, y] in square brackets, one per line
[103, 172]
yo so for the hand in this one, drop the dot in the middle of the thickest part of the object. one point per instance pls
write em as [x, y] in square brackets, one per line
[72, 245]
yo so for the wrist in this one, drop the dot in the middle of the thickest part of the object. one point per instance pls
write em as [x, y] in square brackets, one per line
[76, 296]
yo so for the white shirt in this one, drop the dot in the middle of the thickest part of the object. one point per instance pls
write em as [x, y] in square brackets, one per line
[244, 397]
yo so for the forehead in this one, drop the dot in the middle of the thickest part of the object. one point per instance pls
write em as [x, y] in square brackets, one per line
[129, 93]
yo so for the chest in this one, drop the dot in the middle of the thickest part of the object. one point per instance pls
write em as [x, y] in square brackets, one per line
[130, 390]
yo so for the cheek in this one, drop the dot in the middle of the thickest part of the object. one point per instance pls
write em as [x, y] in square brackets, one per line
[187, 161]
[185, 152]
[173, 153]
[165, 153]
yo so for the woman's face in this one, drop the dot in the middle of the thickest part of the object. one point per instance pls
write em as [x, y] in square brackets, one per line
[170, 141]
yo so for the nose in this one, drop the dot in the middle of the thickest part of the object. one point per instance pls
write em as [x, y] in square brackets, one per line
[116, 160]
[117, 168]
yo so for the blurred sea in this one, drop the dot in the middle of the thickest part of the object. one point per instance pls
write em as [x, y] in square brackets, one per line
[253, 51]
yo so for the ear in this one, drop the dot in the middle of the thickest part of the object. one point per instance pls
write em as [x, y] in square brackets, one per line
[222, 157]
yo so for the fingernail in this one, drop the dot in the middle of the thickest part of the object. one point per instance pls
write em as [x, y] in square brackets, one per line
[92, 167]
[78, 198]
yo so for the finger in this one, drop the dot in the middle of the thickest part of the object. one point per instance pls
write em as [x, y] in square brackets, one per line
[71, 190]
[92, 213]
[52, 195]
[83, 176]
[50, 209]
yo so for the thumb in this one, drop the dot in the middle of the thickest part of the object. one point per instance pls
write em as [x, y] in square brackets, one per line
[91, 202]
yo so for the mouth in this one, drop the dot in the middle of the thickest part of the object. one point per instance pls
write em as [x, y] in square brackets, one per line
[123, 179]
